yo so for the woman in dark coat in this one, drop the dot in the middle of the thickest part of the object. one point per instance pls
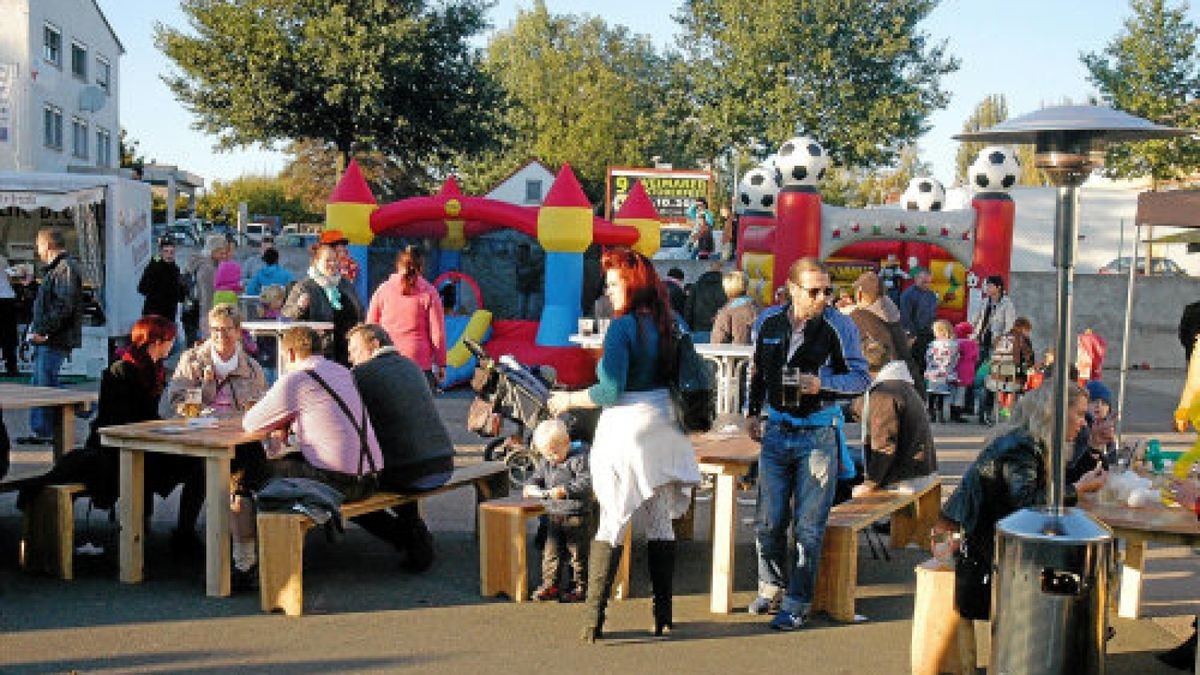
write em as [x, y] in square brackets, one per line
[1011, 473]
[325, 295]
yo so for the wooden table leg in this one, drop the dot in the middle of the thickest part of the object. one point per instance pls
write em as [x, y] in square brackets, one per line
[1130, 605]
[216, 527]
[132, 515]
[64, 430]
[724, 517]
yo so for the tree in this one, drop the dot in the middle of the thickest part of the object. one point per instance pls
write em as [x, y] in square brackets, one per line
[863, 81]
[579, 91]
[131, 157]
[856, 188]
[393, 77]
[988, 113]
[312, 173]
[262, 194]
[1152, 69]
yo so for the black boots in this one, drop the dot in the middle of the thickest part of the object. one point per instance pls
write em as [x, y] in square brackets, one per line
[603, 559]
[662, 572]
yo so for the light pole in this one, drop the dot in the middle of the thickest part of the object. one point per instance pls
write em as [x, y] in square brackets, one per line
[1051, 564]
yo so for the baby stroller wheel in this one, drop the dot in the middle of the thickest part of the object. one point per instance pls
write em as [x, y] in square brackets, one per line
[521, 461]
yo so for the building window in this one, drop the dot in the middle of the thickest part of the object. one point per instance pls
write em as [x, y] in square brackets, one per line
[103, 147]
[79, 138]
[533, 191]
[104, 74]
[79, 61]
[52, 123]
[52, 45]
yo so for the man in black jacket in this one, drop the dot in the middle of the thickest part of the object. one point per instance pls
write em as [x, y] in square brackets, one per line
[1189, 328]
[57, 324]
[417, 451]
[162, 283]
[705, 299]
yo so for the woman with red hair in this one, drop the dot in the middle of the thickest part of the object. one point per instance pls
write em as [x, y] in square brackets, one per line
[410, 309]
[640, 458]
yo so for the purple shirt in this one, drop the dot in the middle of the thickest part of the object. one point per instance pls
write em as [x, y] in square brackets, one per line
[326, 437]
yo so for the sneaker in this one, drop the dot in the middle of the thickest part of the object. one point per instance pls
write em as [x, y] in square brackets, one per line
[763, 605]
[545, 594]
[785, 620]
[419, 550]
[577, 594]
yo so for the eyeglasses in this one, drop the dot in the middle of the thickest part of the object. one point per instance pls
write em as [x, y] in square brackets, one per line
[814, 292]
[223, 329]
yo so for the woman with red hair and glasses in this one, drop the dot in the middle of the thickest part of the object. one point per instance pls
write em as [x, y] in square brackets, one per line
[640, 458]
[410, 309]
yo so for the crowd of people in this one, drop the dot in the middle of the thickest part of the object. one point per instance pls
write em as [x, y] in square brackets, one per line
[355, 411]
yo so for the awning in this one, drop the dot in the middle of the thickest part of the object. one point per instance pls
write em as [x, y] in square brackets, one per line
[29, 200]
[1176, 208]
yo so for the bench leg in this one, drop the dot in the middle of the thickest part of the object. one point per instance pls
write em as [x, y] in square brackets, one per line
[48, 532]
[724, 515]
[503, 554]
[131, 512]
[281, 562]
[1130, 603]
[837, 575]
[911, 525]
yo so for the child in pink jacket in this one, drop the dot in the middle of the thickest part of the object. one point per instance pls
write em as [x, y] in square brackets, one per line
[968, 362]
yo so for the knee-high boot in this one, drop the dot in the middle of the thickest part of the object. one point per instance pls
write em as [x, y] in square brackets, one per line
[662, 575]
[603, 559]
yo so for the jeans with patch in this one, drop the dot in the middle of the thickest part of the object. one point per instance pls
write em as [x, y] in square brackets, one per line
[797, 480]
[46, 363]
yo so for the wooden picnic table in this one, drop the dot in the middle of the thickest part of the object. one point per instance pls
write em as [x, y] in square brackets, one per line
[215, 446]
[64, 401]
[728, 456]
[1155, 523]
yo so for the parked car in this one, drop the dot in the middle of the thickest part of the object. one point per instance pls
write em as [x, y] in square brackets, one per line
[673, 243]
[302, 239]
[255, 232]
[182, 234]
[1164, 267]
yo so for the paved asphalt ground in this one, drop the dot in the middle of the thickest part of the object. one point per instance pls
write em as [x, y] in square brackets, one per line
[364, 615]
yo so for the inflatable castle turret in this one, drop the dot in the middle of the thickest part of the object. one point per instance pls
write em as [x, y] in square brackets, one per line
[349, 209]
[564, 229]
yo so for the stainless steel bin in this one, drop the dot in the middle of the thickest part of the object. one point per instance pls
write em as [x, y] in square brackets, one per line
[1051, 588]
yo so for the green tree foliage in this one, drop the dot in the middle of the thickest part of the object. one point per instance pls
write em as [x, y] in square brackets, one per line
[263, 195]
[860, 76]
[988, 113]
[396, 77]
[311, 174]
[857, 188]
[131, 156]
[1152, 69]
[579, 91]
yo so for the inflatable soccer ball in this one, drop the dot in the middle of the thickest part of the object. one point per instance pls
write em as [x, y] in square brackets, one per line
[757, 189]
[995, 169]
[924, 194]
[801, 161]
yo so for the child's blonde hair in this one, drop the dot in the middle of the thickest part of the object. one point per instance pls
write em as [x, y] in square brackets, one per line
[943, 330]
[550, 434]
[271, 296]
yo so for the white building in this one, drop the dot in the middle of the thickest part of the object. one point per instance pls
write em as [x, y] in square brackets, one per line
[525, 186]
[59, 65]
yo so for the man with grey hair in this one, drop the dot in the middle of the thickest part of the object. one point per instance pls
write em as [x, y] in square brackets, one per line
[417, 451]
[57, 324]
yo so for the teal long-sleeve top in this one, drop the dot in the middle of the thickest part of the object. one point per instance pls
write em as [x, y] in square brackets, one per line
[630, 360]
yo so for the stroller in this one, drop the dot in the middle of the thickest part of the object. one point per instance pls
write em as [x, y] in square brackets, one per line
[505, 389]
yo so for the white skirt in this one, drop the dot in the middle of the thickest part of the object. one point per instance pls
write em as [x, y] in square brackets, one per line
[639, 447]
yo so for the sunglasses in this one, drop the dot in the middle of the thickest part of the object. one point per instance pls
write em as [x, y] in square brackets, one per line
[814, 292]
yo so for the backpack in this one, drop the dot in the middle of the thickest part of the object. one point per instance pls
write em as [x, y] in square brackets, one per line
[693, 388]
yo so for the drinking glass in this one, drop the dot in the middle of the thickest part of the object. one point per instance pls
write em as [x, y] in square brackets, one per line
[791, 386]
[192, 402]
[586, 326]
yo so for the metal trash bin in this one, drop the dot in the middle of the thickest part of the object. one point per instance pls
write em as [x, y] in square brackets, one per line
[1050, 592]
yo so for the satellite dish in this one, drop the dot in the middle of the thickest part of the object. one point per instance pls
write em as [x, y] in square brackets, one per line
[92, 98]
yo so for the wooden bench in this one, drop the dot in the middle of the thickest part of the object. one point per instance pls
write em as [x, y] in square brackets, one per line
[912, 515]
[48, 532]
[281, 535]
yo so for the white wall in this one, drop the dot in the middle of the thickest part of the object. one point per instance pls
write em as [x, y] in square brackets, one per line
[512, 190]
[21, 43]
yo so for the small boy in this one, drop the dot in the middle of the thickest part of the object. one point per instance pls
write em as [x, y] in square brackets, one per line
[562, 477]
[1012, 360]
[270, 301]
[1096, 444]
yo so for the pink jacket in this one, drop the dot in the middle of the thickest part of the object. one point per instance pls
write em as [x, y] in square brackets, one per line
[228, 277]
[415, 322]
[968, 360]
[327, 438]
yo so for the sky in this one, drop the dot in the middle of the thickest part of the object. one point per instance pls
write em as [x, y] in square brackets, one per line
[1027, 50]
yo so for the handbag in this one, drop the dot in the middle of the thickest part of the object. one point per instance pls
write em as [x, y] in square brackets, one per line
[693, 388]
[482, 418]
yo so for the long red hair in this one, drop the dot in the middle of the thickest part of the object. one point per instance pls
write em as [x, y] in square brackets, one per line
[410, 262]
[150, 329]
[146, 331]
[645, 294]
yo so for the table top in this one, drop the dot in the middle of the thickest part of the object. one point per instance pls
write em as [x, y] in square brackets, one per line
[29, 396]
[716, 447]
[1155, 518]
[176, 433]
[709, 349]
[278, 326]
[593, 341]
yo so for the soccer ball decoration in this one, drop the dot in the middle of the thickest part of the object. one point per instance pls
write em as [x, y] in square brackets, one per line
[758, 188]
[801, 161]
[972, 279]
[995, 169]
[924, 194]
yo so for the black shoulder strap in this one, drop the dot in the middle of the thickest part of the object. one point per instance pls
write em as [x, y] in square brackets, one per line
[360, 427]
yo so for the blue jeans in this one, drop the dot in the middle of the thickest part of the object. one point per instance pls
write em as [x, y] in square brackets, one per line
[797, 479]
[46, 363]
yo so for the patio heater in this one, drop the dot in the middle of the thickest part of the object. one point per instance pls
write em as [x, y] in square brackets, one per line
[1052, 569]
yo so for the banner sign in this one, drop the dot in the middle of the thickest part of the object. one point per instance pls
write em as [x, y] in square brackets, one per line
[671, 191]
